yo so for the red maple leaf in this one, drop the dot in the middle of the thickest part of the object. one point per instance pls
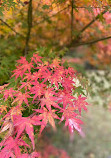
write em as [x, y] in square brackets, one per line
[26, 123]
[26, 85]
[69, 112]
[55, 63]
[49, 99]
[68, 84]
[71, 121]
[37, 89]
[46, 117]
[57, 75]
[22, 67]
[20, 97]
[36, 58]
[74, 124]
[18, 72]
[22, 60]
[8, 93]
[11, 147]
[80, 103]
[2, 87]
[65, 98]
[71, 72]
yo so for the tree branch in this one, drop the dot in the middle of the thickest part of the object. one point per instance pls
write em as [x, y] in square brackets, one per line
[29, 21]
[89, 24]
[96, 18]
[90, 42]
[41, 21]
[11, 28]
[93, 7]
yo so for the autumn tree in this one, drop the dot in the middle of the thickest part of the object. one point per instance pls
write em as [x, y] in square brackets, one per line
[58, 24]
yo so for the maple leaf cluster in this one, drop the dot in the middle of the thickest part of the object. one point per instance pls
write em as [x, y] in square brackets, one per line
[42, 93]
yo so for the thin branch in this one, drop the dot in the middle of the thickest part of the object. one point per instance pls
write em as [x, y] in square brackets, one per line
[29, 21]
[86, 7]
[90, 42]
[41, 21]
[96, 18]
[11, 28]
[44, 19]
[89, 24]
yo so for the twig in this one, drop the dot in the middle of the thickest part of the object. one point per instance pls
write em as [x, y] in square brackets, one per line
[11, 28]
[86, 7]
[90, 42]
[87, 26]
[41, 21]
[96, 18]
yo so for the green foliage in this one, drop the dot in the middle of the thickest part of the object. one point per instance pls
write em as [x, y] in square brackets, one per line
[79, 90]
[7, 64]
[46, 6]
[48, 53]
[10, 51]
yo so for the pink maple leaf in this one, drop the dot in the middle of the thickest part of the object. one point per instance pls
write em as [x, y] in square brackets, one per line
[18, 72]
[71, 121]
[22, 60]
[22, 67]
[26, 123]
[74, 124]
[11, 147]
[24, 64]
[65, 98]
[37, 89]
[80, 103]
[8, 93]
[49, 99]
[20, 97]
[46, 117]
[36, 58]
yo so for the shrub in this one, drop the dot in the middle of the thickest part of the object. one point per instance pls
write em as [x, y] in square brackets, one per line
[39, 93]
